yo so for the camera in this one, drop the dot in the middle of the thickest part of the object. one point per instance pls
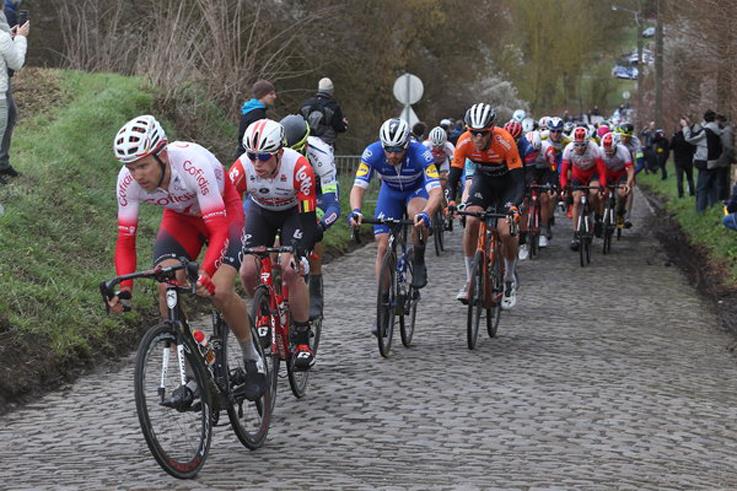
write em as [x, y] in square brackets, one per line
[23, 17]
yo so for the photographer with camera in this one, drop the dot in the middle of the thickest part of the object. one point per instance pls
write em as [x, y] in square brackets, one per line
[13, 45]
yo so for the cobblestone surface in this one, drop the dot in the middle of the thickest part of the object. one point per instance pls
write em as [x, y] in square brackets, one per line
[610, 377]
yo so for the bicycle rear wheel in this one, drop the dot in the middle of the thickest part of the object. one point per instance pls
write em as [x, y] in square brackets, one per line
[178, 435]
[386, 303]
[475, 300]
[407, 325]
[250, 420]
[262, 321]
[437, 233]
[533, 235]
[608, 231]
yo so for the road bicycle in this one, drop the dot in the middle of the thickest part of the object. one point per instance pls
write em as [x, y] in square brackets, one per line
[486, 288]
[533, 217]
[584, 229]
[181, 388]
[612, 222]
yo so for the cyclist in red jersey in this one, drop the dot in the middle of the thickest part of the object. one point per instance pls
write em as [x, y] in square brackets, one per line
[200, 205]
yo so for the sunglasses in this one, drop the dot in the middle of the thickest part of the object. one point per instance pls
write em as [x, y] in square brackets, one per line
[397, 149]
[480, 132]
[263, 157]
[580, 144]
[556, 131]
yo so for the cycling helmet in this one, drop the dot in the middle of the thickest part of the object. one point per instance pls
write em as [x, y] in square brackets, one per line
[139, 138]
[264, 136]
[543, 123]
[296, 131]
[568, 127]
[555, 124]
[535, 141]
[580, 134]
[514, 128]
[528, 124]
[608, 141]
[479, 116]
[446, 123]
[602, 130]
[394, 133]
[519, 115]
[438, 137]
[626, 129]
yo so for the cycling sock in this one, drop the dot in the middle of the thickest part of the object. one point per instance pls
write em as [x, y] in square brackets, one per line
[509, 269]
[467, 261]
[249, 350]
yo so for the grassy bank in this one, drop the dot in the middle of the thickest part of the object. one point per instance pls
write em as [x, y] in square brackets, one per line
[705, 231]
[58, 229]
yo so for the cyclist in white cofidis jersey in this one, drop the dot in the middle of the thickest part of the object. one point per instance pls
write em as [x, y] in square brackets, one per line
[201, 206]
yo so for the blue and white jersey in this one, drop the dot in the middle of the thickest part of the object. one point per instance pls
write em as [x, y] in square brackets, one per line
[417, 168]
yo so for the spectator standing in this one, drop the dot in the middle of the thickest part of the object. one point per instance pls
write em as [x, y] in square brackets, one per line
[724, 166]
[661, 148]
[683, 160]
[263, 95]
[323, 113]
[13, 45]
[706, 137]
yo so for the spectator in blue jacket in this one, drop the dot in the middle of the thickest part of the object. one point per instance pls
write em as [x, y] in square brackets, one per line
[264, 95]
[730, 220]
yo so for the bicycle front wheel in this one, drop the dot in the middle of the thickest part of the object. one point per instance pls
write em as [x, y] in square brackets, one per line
[262, 320]
[407, 325]
[496, 283]
[386, 303]
[297, 378]
[175, 419]
[250, 420]
[476, 300]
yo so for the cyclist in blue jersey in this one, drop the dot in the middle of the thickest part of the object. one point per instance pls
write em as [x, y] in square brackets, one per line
[409, 182]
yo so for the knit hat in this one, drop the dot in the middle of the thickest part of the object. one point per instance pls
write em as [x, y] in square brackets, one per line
[262, 88]
[325, 85]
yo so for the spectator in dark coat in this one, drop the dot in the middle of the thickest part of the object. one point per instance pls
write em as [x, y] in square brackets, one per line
[706, 182]
[724, 166]
[264, 95]
[683, 160]
[323, 113]
[661, 149]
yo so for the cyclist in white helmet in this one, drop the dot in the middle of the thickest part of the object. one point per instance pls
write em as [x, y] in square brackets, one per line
[519, 115]
[409, 183]
[201, 205]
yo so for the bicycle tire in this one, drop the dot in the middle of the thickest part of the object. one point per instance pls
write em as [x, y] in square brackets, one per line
[261, 312]
[407, 329]
[607, 236]
[316, 333]
[250, 424]
[496, 283]
[385, 310]
[436, 234]
[581, 239]
[298, 379]
[166, 334]
[533, 235]
[476, 300]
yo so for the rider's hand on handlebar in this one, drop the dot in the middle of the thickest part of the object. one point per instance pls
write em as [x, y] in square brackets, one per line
[119, 305]
[355, 218]
[514, 212]
[422, 219]
[205, 286]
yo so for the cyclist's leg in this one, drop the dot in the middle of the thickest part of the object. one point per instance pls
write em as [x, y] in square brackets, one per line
[260, 230]
[389, 204]
[416, 203]
[477, 201]
[178, 236]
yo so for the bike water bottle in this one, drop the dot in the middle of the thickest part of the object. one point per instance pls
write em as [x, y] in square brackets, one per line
[205, 348]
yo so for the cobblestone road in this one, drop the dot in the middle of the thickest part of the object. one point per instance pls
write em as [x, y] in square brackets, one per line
[613, 376]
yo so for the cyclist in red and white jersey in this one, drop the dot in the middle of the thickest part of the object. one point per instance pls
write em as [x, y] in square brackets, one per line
[441, 149]
[282, 187]
[200, 205]
[582, 158]
[619, 170]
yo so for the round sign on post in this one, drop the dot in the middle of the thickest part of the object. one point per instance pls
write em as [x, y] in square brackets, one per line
[408, 89]
[626, 95]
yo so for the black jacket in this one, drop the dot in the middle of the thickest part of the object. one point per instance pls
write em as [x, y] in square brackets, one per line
[682, 150]
[333, 114]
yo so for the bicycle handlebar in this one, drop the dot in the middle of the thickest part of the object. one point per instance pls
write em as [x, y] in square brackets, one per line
[160, 274]
[265, 251]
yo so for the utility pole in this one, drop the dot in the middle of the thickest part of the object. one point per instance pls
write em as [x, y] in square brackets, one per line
[658, 64]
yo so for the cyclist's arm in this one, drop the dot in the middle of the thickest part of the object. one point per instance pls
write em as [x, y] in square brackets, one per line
[213, 212]
[564, 167]
[324, 164]
[125, 246]
[432, 182]
[601, 168]
[237, 176]
[457, 165]
[305, 185]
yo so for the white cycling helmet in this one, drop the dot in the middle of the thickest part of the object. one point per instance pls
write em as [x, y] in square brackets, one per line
[479, 116]
[528, 124]
[438, 136]
[535, 141]
[394, 133]
[446, 123]
[264, 136]
[543, 123]
[519, 115]
[138, 138]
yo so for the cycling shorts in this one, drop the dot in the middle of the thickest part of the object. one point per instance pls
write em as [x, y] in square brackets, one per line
[392, 204]
[262, 226]
[491, 191]
[184, 235]
[536, 176]
[585, 179]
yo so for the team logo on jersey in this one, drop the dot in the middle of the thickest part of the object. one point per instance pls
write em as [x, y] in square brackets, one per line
[363, 170]
[366, 154]
[432, 172]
